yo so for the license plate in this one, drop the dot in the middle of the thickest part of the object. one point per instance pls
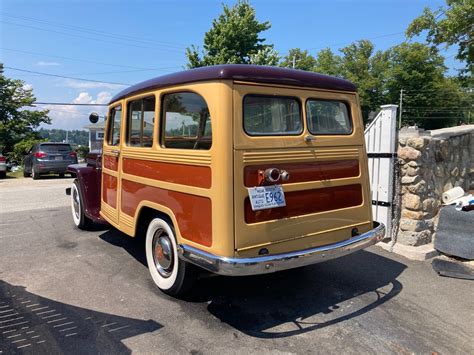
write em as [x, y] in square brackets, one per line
[58, 157]
[263, 197]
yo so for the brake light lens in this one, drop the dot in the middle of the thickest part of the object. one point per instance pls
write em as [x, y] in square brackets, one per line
[40, 155]
[3, 159]
[73, 154]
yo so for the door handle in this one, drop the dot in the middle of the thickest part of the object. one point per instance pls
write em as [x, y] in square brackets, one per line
[308, 138]
[115, 153]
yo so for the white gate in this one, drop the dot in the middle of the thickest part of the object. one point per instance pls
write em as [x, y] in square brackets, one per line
[381, 143]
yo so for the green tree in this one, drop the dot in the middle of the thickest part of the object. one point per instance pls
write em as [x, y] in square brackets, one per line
[20, 149]
[450, 25]
[233, 38]
[16, 121]
[298, 59]
[328, 63]
[265, 56]
[430, 100]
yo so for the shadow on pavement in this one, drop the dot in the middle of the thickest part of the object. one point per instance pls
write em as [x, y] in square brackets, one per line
[34, 324]
[294, 301]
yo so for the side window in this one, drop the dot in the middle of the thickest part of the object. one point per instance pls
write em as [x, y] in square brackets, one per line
[113, 136]
[272, 115]
[186, 122]
[328, 117]
[141, 120]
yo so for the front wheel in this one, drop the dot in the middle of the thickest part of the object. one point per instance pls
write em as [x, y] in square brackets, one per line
[171, 274]
[77, 207]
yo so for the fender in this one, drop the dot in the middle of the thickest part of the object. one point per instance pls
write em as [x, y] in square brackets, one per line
[89, 177]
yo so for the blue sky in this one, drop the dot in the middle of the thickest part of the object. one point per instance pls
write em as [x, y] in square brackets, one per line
[130, 41]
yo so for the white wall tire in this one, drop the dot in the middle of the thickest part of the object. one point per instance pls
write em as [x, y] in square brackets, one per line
[77, 207]
[171, 274]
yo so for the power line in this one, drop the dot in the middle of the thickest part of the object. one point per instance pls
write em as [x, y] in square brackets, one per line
[83, 60]
[93, 31]
[347, 43]
[66, 104]
[88, 38]
[65, 77]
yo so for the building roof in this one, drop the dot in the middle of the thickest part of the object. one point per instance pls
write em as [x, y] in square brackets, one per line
[244, 72]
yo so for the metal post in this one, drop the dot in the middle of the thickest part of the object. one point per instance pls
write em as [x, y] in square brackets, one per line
[400, 112]
[294, 61]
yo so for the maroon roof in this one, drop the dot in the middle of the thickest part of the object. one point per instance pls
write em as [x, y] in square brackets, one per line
[255, 73]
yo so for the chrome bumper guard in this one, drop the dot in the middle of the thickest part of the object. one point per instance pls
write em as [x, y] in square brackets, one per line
[272, 263]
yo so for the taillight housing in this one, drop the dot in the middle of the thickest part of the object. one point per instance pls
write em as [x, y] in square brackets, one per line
[40, 155]
[3, 159]
[73, 154]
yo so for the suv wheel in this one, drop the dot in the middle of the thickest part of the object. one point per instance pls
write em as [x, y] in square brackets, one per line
[34, 174]
[171, 274]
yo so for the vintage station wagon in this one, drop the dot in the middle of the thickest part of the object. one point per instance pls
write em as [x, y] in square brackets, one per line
[235, 169]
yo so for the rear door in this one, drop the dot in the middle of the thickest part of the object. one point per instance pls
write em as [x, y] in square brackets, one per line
[315, 136]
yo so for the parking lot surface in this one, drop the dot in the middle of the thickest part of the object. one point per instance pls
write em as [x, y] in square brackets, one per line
[63, 290]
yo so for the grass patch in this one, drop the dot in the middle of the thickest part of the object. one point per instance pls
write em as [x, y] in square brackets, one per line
[15, 174]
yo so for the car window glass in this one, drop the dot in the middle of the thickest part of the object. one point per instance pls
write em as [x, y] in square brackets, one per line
[328, 117]
[141, 118]
[55, 148]
[186, 121]
[114, 126]
[272, 115]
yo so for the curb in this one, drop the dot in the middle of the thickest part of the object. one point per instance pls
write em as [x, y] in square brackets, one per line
[421, 253]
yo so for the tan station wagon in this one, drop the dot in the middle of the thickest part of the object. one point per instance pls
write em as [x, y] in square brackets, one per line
[235, 169]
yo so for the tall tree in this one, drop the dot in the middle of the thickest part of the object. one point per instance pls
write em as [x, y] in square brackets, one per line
[430, 100]
[450, 25]
[298, 59]
[233, 38]
[328, 63]
[17, 122]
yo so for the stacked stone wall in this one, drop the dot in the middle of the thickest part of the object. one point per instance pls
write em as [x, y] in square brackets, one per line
[431, 163]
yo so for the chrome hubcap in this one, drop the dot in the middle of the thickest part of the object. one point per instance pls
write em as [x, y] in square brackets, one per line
[75, 202]
[163, 253]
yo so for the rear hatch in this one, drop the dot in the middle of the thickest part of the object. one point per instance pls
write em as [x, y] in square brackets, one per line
[58, 153]
[315, 136]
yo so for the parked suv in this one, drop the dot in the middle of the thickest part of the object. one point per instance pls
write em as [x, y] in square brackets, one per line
[47, 158]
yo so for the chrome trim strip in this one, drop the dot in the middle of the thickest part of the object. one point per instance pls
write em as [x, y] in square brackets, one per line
[272, 263]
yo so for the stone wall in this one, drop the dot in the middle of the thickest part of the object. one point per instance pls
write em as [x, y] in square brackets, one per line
[432, 162]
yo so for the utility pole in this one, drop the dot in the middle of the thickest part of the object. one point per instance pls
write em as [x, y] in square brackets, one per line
[294, 61]
[400, 110]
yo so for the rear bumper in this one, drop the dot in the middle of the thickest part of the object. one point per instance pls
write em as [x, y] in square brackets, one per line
[52, 167]
[272, 263]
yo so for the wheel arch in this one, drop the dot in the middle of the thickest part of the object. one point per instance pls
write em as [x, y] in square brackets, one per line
[148, 210]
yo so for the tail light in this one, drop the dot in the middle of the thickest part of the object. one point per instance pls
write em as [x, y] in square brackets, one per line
[40, 155]
[3, 159]
[73, 154]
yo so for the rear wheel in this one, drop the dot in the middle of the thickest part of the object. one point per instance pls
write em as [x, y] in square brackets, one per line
[171, 274]
[34, 174]
[3, 174]
[61, 175]
[77, 207]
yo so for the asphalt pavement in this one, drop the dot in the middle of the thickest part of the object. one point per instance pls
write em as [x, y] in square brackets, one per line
[63, 290]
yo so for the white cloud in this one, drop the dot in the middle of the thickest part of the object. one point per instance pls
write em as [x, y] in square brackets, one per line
[41, 63]
[83, 85]
[77, 117]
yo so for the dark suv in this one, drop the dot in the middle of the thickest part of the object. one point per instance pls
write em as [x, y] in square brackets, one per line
[47, 158]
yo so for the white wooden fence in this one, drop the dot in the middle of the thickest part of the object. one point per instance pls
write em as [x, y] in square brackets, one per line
[381, 143]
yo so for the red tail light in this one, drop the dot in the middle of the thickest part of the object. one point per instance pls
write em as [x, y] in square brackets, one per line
[73, 154]
[40, 154]
[3, 159]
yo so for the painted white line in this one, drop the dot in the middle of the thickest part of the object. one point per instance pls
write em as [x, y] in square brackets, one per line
[68, 335]
[64, 330]
[53, 315]
[39, 342]
[11, 320]
[32, 305]
[9, 331]
[13, 336]
[13, 325]
[17, 341]
[113, 330]
[106, 325]
[36, 336]
[39, 309]
[23, 346]
[53, 310]
[25, 302]
[60, 325]
[10, 315]
[56, 320]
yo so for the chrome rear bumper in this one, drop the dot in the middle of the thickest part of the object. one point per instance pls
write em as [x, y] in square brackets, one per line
[272, 263]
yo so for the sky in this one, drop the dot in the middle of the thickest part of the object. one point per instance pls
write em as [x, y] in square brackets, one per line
[116, 43]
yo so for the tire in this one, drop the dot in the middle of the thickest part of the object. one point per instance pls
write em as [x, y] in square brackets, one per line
[3, 174]
[172, 275]
[25, 174]
[81, 221]
[61, 175]
[35, 175]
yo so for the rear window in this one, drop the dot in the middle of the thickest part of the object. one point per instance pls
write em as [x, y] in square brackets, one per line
[55, 148]
[272, 115]
[328, 117]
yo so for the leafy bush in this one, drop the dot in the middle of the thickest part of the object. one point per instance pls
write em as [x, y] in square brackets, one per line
[82, 151]
[21, 149]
